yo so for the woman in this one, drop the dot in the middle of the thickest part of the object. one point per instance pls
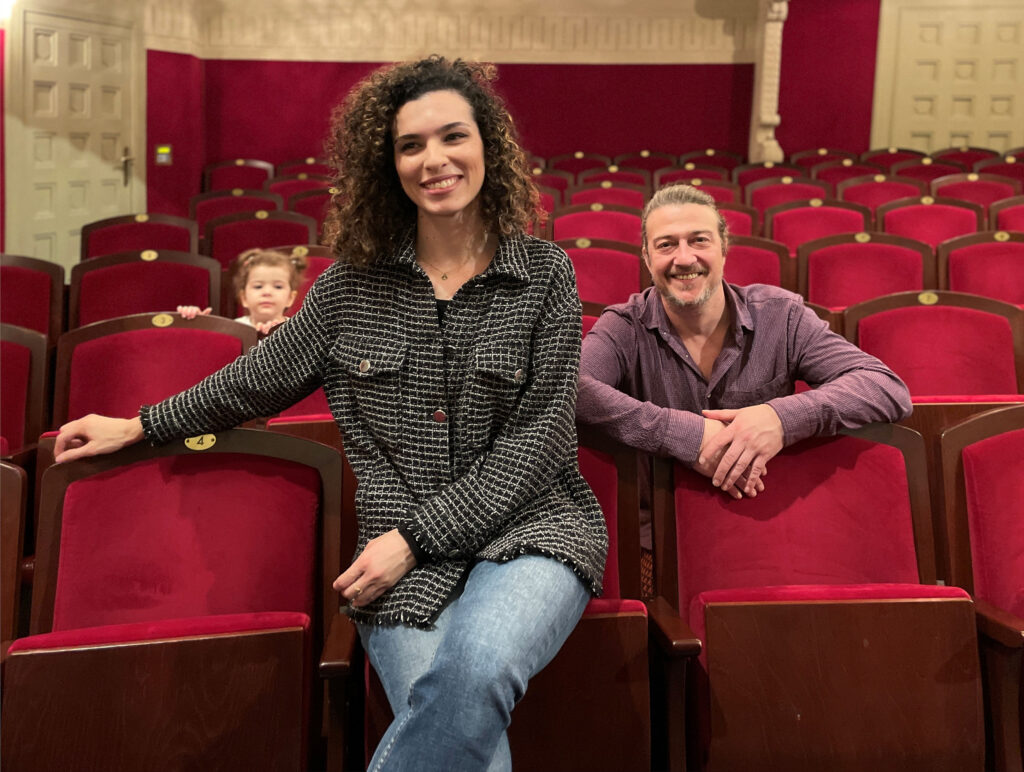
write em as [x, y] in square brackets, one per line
[447, 342]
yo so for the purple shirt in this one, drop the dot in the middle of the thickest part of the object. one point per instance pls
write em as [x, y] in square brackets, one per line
[639, 384]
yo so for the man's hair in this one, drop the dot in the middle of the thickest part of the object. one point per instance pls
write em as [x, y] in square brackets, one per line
[678, 193]
[370, 212]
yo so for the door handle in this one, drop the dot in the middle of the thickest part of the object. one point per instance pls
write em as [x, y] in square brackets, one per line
[126, 161]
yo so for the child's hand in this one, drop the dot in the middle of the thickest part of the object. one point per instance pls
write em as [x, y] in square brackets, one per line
[191, 312]
[264, 328]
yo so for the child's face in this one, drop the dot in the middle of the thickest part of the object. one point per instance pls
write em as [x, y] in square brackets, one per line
[267, 293]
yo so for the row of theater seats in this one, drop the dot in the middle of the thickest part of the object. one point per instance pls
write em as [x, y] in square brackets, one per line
[803, 629]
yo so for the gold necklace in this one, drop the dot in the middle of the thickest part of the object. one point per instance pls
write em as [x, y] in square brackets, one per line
[444, 274]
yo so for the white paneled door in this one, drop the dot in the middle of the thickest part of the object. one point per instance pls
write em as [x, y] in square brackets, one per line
[950, 73]
[76, 159]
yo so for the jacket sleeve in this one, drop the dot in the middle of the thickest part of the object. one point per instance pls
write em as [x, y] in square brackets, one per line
[536, 443]
[275, 374]
[850, 387]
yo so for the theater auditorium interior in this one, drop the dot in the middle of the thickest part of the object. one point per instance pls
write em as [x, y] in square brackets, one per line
[865, 612]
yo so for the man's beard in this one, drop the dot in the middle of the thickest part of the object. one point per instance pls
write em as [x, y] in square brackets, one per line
[700, 300]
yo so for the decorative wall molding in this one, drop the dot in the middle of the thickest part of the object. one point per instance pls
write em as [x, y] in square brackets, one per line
[764, 113]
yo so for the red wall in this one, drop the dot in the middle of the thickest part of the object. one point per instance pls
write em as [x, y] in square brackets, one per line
[221, 109]
[828, 74]
[174, 115]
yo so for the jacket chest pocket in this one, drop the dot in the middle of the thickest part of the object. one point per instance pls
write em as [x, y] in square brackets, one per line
[374, 369]
[499, 376]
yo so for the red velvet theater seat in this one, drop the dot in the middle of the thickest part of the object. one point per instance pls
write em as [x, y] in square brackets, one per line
[288, 185]
[608, 192]
[926, 169]
[826, 643]
[990, 263]
[835, 172]
[943, 344]
[742, 220]
[32, 295]
[203, 207]
[810, 158]
[873, 190]
[136, 232]
[616, 174]
[238, 173]
[964, 154]
[597, 221]
[577, 162]
[1009, 166]
[115, 366]
[1007, 215]
[553, 178]
[983, 485]
[23, 387]
[745, 174]
[141, 282]
[312, 203]
[772, 191]
[887, 157]
[798, 222]
[607, 272]
[983, 189]
[838, 271]
[176, 608]
[13, 501]
[690, 170]
[602, 669]
[309, 165]
[651, 160]
[928, 219]
[225, 238]
[753, 260]
[716, 156]
[722, 191]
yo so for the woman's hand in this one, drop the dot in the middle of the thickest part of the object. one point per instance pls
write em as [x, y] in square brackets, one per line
[385, 560]
[191, 312]
[95, 434]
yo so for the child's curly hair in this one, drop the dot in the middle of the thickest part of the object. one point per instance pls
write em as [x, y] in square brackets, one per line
[296, 265]
[370, 212]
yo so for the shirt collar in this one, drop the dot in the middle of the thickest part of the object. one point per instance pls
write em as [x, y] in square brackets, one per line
[510, 259]
[654, 317]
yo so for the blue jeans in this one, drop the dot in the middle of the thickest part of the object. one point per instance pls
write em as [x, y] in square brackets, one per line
[452, 689]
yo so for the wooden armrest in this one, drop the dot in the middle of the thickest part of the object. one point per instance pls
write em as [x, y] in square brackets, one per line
[339, 648]
[670, 632]
[999, 625]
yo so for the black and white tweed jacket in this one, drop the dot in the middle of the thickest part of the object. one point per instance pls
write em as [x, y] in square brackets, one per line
[463, 433]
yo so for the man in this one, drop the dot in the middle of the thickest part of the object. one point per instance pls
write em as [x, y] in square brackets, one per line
[704, 371]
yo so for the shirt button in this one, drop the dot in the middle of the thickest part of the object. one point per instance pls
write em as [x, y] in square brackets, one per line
[364, 366]
[519, 376]
[440, 416]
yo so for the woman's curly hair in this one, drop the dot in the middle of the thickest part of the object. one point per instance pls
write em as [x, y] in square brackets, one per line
[369, 211]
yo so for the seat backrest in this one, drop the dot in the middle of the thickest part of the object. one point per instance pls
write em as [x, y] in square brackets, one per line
[597, 221]
[747, 173]
[553, 178]
[725, 158]
[205, 206]
[887, 157]
[578, 161]
[116, 366]
[850, 509]
[772, 191]
[13, 500]
[1007, 215]
[990, 263]
[929, 219]
[225, 238]
[926, 168]
[612, 472]
[753, 260]
[312, 203]
[32, 294]
[141, 282]
[137, 232]
[690, 170]
[607, 272]
[808, 158]
[838, 271]
[983, 488]
[846, 169]
[608, 192]
[982, 341]
[651, 160]
[742, 220]
[982, 189]
[238, 173]
[1009, 166]
[220, 524]
[309, 165]
[616, 174]
[964, 154]
[315, 265]
[23, 392]
[873, 190]
[290, 184]
[798, 222]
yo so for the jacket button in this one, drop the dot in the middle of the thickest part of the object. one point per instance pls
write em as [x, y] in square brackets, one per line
[440, 416]
[364, 366]
[519, 376]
